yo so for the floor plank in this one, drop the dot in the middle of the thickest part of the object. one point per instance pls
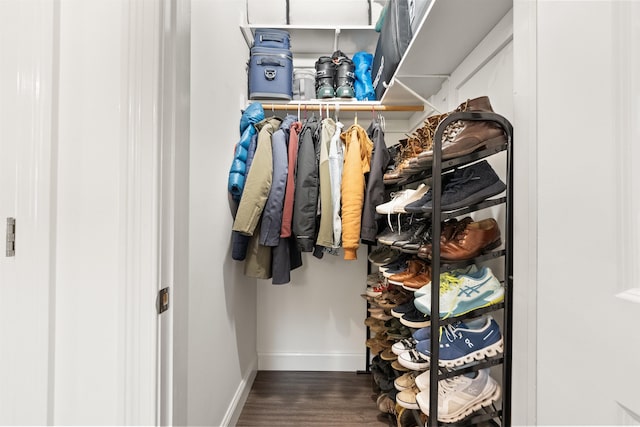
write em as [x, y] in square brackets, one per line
[295, 398]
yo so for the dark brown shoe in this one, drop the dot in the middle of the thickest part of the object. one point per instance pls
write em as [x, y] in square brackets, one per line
[473, 135]
[476, 238]
[449, 229]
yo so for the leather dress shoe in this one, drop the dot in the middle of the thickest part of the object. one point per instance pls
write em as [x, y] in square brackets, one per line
[419, 280]
[415, 266]
[475, 238]
[449, 229]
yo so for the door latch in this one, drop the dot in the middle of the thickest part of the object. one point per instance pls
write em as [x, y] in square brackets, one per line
[163, 300]
[11, 237]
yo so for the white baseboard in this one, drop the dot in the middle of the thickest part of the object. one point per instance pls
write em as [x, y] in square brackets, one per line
[345, 362]
[240, 397]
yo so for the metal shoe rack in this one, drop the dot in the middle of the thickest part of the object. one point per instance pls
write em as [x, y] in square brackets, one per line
[500, 414]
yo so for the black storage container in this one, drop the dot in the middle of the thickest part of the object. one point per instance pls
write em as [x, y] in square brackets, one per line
[393, 41]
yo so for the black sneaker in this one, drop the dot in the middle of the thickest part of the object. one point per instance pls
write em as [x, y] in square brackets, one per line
[403, 309]
[415, 319]
[469, 186]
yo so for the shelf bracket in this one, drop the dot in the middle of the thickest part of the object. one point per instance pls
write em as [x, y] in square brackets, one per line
[415, 94]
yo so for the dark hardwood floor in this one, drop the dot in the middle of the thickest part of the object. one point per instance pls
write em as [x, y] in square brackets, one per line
[291, 398]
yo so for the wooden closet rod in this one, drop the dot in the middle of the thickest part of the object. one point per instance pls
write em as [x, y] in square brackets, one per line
[341, 107]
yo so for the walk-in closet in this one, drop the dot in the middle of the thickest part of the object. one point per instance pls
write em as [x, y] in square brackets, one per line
[140, 287]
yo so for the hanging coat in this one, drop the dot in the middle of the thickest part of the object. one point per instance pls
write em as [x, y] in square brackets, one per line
[258, 183]
[357, 160]
[336, 161]
[272, 215]
[325, 232]
[307, 185]
[287, 211]
[374, 193]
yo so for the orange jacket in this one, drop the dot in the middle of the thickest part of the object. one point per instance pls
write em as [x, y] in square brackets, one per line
[357, 162]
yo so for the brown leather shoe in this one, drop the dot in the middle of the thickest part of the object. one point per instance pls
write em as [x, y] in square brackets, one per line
[419, 280]
[415, 266]
[474, 135]
[470, 242]
[449, 229]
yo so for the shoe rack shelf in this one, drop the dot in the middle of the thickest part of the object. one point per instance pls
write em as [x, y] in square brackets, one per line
[502, 310]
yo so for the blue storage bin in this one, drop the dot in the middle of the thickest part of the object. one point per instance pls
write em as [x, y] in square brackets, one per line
[270, 73]
[269, 37]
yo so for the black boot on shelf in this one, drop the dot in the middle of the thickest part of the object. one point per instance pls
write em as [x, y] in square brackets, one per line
[325, 76]
[344, 78]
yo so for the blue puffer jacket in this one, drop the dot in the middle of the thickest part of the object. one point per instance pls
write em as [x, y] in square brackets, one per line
[237, 174]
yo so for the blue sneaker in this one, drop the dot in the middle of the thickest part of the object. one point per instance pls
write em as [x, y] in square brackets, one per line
[462, 343]
[422, 334]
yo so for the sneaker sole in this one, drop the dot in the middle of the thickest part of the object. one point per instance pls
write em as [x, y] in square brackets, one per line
[479, 403]
[413, 366]
[412, 324]
[496, 297]
[492, 350]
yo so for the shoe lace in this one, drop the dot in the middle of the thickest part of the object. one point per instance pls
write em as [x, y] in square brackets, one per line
[448, 282]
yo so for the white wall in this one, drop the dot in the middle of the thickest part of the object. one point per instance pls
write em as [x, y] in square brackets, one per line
[222, 302]
[587, 338]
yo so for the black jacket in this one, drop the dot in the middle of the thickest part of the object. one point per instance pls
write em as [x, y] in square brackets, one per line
[374, 192]
[304, 225]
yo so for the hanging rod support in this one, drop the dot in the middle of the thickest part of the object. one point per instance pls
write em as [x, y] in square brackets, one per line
[415, 94]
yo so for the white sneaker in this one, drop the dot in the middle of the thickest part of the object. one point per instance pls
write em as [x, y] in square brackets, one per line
[417, 195]
[474, 290]
[396, 199]
[460, 396]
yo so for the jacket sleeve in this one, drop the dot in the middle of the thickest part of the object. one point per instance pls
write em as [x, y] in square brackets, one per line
[352, 196]
[272, 215]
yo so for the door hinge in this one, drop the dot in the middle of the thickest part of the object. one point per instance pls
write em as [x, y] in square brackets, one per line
[11, 237]
[163, 300]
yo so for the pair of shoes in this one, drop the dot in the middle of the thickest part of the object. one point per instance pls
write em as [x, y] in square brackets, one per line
[464, 342]
[462, 291]
[468, 186]
[468, 240]
[415, 319]
[401, 198]
[407, 398]
[414, 267]
[460, 396]
[406, 381]
[335, 76]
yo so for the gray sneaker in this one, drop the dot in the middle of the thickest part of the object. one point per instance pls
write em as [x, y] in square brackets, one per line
[469, 186]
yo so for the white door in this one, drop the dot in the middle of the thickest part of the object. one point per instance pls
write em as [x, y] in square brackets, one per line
[25, 294]
[79, 171]
[588, 104]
